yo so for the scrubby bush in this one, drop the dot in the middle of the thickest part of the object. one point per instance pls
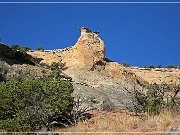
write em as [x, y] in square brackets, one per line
[171, 66]
[20, 48]
[56, 69]
[154, 100]
[57, 66]
[40, 48]
[159, 66]
[158, 97]
[150, 66]
[30, 105]
[125, 64]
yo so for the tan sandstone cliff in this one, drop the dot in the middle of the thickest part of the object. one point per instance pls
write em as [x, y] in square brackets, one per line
[88, 50]
[88, 54]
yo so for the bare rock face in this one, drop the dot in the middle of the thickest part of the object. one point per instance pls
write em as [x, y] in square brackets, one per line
[87, 52]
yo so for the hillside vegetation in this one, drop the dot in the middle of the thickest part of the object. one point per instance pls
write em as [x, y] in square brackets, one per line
[62, 89]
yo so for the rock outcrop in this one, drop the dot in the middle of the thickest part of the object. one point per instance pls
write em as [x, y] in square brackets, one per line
[158, 75]
[102, 83]
[87, 52]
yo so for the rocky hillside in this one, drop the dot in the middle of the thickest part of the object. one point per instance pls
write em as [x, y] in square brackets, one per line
[158, 75]
[14, 64]
[89, 54]
[98, 81]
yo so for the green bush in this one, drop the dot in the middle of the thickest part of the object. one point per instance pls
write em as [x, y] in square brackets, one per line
[20, 48]
[150, 102]
[159, 66]
[171, 66]
[57, 66]
[40, 48]
[150, 66]
[155, 99]
[30, 105]
[125, 64]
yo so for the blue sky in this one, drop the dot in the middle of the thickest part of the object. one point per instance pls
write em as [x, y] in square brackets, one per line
[139, 34]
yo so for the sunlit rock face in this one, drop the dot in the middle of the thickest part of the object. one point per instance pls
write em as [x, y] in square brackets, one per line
[87, 52]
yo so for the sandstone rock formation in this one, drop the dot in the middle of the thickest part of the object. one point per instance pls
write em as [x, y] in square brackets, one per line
[103, 84]
[158, 75]
[87, 52]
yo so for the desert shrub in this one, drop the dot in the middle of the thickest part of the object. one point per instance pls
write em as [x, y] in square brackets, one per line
[56, 69]
[2, 78]
[20, 48]
[159, 66]
[57, 66]
[157, 99]
[29, 105]
[171, 66]
[125, 64]
[24, 57]
[54, 66]
[40, 48]
[150, 66]
[152, 103]
[154, 100]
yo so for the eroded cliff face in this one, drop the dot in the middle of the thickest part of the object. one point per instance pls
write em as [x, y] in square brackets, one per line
[89, 54]
[158, 75]
[102, 83]
[86, 53]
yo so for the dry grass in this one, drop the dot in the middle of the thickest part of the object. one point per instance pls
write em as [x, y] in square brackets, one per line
[123, 121]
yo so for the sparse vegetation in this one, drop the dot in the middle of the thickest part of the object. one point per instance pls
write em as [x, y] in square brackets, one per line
[124, 121]
[20, 48]
[150, 66]
[159, 66]
[171, 66]
[40, 49]
[125, 64]
[56, 69]
[155, 100]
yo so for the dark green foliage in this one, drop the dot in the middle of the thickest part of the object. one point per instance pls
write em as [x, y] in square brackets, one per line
[29, 105]
[159, 66]
[54, 66]
[125, 64]
[171, 66]
[16, 54]
[55, 74]
[150, 66]
[157, 98]
[154, 100]
[151, 102]
[56, 69]
[57, 66]
[40, 48]
[2, 77]
[20, 48]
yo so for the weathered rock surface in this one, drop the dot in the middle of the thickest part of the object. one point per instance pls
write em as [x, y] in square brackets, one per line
[98, 89]
[158, 75]
[86, 53]
[8, 72]
[101, 83]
